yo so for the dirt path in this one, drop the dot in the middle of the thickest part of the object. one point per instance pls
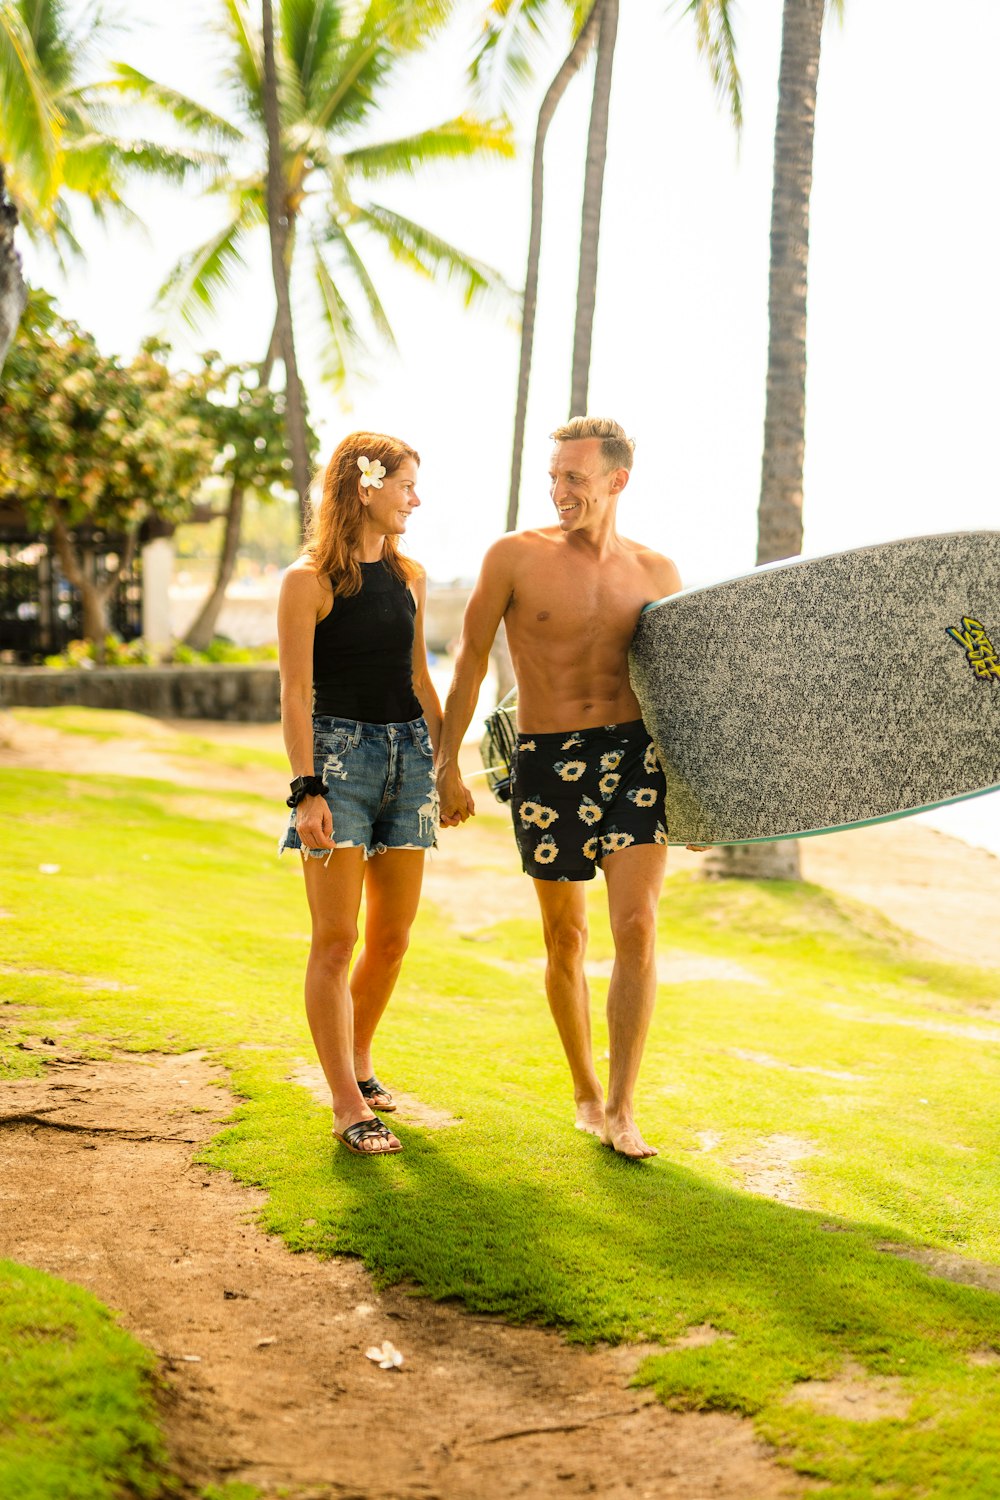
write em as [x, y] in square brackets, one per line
[263, 1352]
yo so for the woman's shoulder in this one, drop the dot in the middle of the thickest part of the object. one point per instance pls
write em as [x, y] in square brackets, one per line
[302, 579]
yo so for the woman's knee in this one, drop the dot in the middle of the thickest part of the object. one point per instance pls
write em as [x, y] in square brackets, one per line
[333, 950]
[390, 947]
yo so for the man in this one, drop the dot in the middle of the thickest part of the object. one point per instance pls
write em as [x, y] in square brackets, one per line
[587, 788]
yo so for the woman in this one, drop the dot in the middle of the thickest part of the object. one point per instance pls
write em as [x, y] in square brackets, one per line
[361, 719]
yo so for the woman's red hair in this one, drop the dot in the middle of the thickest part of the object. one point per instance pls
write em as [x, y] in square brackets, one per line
[335, 529]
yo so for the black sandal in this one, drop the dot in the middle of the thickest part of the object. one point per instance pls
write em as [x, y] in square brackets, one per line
[367, 1130]
[371, 1090]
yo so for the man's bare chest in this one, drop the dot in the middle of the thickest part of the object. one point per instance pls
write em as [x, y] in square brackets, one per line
[557, 602]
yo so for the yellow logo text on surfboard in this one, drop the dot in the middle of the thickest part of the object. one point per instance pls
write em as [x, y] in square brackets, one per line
[979, 649]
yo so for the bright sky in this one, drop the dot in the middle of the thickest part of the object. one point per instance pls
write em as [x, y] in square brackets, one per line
[904, 298]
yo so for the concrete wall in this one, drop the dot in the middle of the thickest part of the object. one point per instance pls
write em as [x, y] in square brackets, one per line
[249, 694]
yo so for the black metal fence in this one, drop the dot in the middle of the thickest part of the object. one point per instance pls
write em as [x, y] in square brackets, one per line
[40, 611]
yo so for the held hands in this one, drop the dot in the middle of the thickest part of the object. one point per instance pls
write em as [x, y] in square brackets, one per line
[455, 799]
[314, 823]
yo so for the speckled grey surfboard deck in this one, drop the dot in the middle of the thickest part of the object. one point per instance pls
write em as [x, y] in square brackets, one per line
[826, 693]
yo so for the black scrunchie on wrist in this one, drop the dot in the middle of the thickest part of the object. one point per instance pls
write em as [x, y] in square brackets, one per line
[305, 786]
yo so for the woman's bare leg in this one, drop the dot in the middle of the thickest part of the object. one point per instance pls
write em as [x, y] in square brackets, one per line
[334, 890]
[392, 894]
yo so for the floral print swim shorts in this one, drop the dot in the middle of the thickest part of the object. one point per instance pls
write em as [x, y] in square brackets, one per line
[579, 796]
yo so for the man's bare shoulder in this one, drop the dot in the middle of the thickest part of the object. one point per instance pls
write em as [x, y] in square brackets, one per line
[661, 571]
[514, 547]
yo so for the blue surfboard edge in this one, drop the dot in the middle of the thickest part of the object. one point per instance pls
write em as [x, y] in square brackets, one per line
[810, 833]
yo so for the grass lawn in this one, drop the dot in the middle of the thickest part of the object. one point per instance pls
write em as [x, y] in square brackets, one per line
[826, 1038]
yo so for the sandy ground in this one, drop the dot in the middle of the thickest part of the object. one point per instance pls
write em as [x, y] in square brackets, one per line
[263, 1352]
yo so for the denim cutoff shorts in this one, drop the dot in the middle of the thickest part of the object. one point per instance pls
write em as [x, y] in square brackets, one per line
[379, 786]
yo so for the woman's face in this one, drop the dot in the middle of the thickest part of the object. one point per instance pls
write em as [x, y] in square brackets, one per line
[387, 510]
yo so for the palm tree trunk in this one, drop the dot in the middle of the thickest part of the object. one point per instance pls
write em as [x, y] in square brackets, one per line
[593, 191]
[572, 64]
[279, 225]
[13, 293]
[202, 630]
[780, 512]
[779, 525]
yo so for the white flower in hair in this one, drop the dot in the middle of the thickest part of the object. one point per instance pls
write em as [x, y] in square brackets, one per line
[371, 472]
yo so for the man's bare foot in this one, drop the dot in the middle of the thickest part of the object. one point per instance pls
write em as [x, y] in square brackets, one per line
[590, 1116]
[624, 1137]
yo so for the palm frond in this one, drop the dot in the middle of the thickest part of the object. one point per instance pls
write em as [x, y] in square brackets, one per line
[461, 137]
[97, 160]
[716, 42]
[129, 83]
[199, 278]
[308, 30]
[244, 70]
[343, 91]
[430, 255]
[516, 36]
[343, 345]
[338, 237]
[29, 116]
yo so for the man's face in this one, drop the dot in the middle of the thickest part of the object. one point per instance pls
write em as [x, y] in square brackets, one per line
[582, 489]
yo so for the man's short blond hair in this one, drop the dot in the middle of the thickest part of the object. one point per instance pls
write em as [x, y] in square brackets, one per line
[616, 448]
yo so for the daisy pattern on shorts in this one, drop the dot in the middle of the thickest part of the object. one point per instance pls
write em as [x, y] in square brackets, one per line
[526, 745]
[612, 842]
[546, 850]
[611, 760]
[660, 836]
[642, 796]
[589, 812]
[572, 742]
[537, 813]
[570, 770]
[607, 785]
[650, 761]
[590, 849]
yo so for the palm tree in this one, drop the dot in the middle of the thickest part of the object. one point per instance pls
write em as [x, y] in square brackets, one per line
[779, 532]
[57, 135]
[593, 193]
[504, 58]
[278, 224]
[334, 65]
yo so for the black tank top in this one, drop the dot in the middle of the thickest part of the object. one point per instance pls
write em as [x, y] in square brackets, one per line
[363, 653]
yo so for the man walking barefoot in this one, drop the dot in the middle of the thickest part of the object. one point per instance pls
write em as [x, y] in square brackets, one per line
[587, 787]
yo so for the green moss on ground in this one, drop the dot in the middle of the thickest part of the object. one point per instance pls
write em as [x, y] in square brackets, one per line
[77, 1416]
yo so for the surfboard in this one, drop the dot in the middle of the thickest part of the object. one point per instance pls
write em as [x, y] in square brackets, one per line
[826, 693]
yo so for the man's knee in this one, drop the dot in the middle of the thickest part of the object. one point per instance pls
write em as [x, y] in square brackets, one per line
[634, 934]
[566, 943]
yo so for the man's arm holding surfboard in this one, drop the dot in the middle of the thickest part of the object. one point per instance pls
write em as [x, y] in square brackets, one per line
[483, 613]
